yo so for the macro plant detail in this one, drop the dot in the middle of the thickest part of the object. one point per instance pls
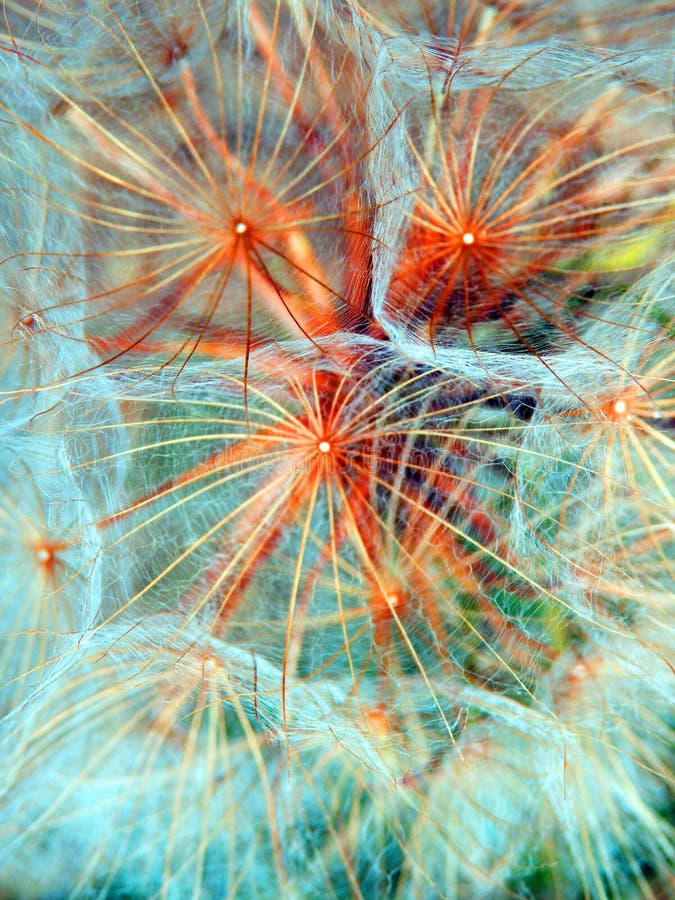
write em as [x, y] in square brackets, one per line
[51, 597]
[521, 212]
[337, 456]
[212, 211]
[509, 228]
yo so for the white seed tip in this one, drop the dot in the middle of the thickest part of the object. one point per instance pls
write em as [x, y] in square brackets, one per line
[44, 555]
[324, 447]
[620, 407]
[468, 238]
[240, 228]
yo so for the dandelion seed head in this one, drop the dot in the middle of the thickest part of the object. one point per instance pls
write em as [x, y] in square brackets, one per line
[370, 519]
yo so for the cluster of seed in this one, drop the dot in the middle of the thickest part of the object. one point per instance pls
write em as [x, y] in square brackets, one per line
[336, 455]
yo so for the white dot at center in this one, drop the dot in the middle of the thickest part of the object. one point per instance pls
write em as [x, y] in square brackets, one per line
[324, 447]
[44, 555]
[240, 228]
[468, 238]
[620, 407]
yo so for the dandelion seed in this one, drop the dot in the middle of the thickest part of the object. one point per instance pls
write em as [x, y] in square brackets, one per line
[536, 184]
[166, 205]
